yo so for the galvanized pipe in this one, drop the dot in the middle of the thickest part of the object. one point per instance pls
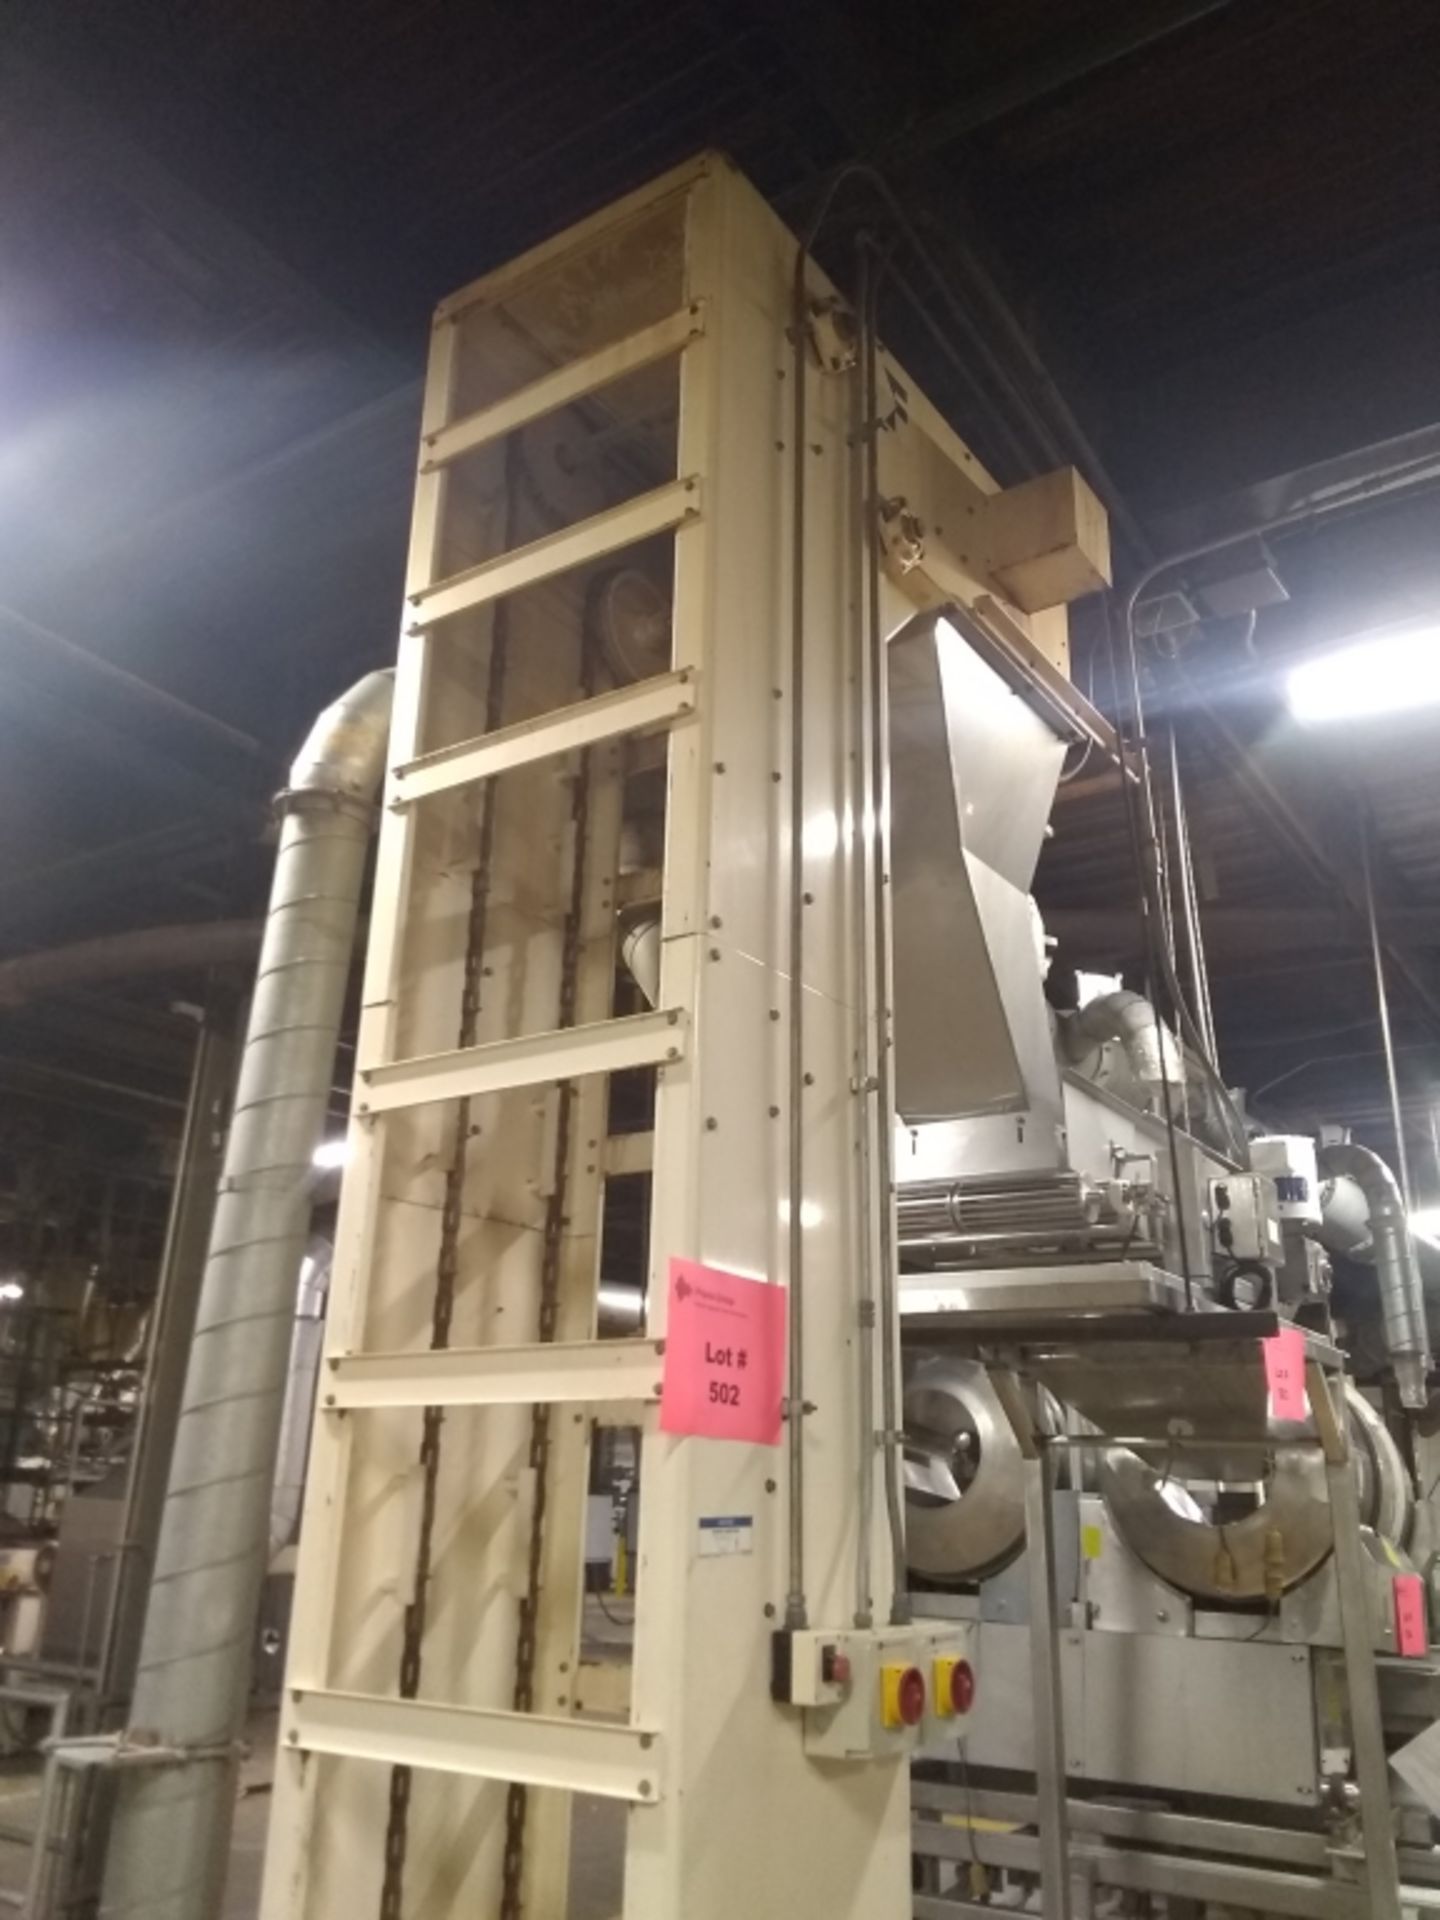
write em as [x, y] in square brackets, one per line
[169, 1844]
[1402, 1293]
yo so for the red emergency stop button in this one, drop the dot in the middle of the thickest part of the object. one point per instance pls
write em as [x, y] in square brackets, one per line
[902, 1695]
[954, 1685]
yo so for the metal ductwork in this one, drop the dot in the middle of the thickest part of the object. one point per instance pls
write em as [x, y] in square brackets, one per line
[1344, 1217]
[168, 1845]
[640, 950]
[1402, 1293]
[306, 1342]
[1129, 1021]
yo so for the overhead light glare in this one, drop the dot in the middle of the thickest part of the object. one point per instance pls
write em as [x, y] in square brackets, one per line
[11, 1290]
[1395, 674]
[1092, 986]
[1425, 1225]
[331, 1153]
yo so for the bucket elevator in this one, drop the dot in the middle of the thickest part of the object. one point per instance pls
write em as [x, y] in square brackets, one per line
[1060, 1558]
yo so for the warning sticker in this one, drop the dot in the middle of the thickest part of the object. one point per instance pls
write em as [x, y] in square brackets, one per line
[724, 1356]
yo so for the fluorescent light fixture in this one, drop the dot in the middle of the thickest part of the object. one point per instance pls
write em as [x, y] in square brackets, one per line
[1425, 1225]
[1394, 674]
[331, 1153]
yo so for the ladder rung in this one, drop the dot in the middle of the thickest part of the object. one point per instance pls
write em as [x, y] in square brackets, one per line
[640, 887]
[528, 1060]
[535, 1750]
[649, 704]
[578, 1370]
[555, 390]
[629, 1153]
[556, 553]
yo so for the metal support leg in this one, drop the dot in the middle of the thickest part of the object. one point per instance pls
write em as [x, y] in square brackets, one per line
[1049, 1712]
[40, 1889]
[1382, 1873]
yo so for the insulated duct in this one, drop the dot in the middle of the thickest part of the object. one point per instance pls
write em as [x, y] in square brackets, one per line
[1402, 1294]
[640, 950]
[306, 1341]
[1129, 1020]
[169, 1841]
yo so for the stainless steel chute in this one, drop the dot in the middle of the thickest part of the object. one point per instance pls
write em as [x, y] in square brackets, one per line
[973, 775]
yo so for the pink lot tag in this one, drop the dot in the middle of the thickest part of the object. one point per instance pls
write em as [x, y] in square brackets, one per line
[1285, 1374]
[1412, 1633]
[724, 1356]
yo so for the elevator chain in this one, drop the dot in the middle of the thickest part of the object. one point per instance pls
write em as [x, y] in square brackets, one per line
[552, 1259]
[447, 1267]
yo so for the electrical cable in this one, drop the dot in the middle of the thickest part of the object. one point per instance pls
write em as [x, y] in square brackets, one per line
[1149, 937]
[598, 1596]
[1146, 850]
[1190, 903]
[1280, 523]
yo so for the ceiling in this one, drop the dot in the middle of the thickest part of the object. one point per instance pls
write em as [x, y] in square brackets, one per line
[1194, 247]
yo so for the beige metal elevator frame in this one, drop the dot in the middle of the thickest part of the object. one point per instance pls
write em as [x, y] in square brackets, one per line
[727, 1814]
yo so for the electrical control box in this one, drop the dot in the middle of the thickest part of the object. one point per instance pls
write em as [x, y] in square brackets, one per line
[867, 1695]
[1245, 1218]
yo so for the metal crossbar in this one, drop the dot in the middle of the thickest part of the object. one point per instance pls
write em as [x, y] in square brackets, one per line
[617, 1762]
[584, 1371]
[556, 553]
[528, 1060]
[552, 391]
[643, 708]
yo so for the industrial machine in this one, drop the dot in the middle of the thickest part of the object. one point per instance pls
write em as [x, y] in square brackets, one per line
[1011, 1526]
[1103, 1268]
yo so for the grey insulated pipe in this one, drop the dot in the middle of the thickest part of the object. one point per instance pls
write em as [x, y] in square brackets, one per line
[1130, 1019]
[170, 1836]
[1402, 1293]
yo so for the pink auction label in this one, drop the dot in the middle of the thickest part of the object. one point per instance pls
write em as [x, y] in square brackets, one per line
[724, 1372]
[1412, 1633]
[1285, 1374]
